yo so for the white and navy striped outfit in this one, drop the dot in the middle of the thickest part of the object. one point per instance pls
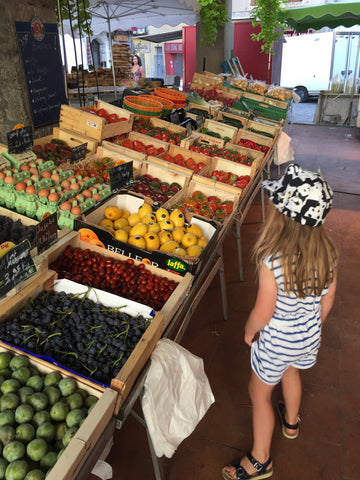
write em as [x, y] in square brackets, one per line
[292, 336]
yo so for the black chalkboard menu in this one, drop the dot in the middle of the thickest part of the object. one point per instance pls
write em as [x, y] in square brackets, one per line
[46, 233]
[20, 140]
[16, 265]
[121, 175]
[39, 49]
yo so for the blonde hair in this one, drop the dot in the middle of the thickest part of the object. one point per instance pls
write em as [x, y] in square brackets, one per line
[308, 257]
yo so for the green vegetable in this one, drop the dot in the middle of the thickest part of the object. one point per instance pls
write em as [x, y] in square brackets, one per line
[194, 97]
[260, 132]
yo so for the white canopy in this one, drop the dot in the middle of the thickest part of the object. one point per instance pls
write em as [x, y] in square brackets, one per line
[131, 14]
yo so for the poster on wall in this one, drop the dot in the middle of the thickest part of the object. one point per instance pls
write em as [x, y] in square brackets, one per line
[40, 54]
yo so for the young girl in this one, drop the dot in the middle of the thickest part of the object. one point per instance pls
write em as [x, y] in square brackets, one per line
[297, 265]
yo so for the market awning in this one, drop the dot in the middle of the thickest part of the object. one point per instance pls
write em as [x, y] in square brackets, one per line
[162, 37]
[330, 15]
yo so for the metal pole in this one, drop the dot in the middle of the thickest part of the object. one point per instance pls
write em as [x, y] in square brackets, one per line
[111, 52]
[64, 49]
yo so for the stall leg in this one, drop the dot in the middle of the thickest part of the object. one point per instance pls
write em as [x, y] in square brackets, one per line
[238, 242]
[158, 470]
[223, 285]
[262, 204]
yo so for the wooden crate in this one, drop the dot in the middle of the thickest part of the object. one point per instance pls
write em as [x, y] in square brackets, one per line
[226, 115]
[210, 110]
[222, 129]
[80, 121]
[146, 140]
[272, 130]
[203, 139]
[205, 81]
[255, 137]
[186, 153]
[72, 139]
[218, 78]
[172, 127]
[165, 171]
[256, 157]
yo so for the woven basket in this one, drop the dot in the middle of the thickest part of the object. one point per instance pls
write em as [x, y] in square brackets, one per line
[178, 98]
[167, 105]
[143, 105]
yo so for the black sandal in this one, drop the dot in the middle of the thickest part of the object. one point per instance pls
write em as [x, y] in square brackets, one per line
[281, 410]
[242, 474]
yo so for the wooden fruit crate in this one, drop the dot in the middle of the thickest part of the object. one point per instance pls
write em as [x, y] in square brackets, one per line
[172, 127]
[167, 172]
[219, 78]
[80, 121]
[272, 130]
[205, 81]
[186, 153]
[255, 156]
[222, 129]
[255, 137]
[226, 115]
[210, 110]
[72, 139]
[203, 139]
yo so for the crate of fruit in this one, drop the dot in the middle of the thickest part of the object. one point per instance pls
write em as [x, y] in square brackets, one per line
[182, 160]
[155, 235]
[59, 145]
[100, 121]
[254, 141]
[138, 146]
[202, 197]
[158, 181]
[231, 119]
[220, 130]
[262, 128]
[160, 129]
[246, 156]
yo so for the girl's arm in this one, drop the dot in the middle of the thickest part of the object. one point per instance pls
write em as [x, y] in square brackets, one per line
[142, 72]
[264, 305]
[327, 300]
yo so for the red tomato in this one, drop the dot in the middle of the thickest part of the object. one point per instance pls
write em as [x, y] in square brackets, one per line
[169, 158]
[128, 144]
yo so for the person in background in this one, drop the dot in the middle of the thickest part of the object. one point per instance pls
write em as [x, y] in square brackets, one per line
[297, 264]
[137, 69]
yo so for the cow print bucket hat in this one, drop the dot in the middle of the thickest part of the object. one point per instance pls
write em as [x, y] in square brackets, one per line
[302, 195]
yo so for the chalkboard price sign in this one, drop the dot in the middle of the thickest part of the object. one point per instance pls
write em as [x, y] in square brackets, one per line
[20, 140]
[39, 50]
[46, 233]
[121, 175]
[175, 118]
[15, 266]
[78, 153]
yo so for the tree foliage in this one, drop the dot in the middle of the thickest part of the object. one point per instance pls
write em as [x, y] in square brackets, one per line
[213, 16]
[269, 15]
[76, 10]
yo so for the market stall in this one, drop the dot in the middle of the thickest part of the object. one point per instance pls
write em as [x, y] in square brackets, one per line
[133, 209]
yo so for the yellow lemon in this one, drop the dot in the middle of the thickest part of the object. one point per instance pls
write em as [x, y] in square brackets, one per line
[144, 209]
[112, 212]
[127, 228]
[139, 229]
[188, 240]
[177, 217]
[162, 214]
[164, 236]
[178, 233]
[195, 229]
[180, 251]
[152, 241]
[154, 227]
[105, 222]
[121, 235]
[120, 223]
[166, 224]
[133, 219]
[148, 218]
[137, 241]
[169, 246]
[194, 250]
[125, 213]
[202, 242]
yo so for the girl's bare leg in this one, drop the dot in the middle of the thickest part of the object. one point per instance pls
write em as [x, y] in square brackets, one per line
[291, 388]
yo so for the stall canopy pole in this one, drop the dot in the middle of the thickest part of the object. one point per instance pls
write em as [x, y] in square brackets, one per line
[64, 49]
[111, 52]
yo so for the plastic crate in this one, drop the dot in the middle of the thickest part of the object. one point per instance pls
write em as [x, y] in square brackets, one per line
[262, 109]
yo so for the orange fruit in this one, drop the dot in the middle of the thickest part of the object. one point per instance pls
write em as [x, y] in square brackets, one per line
[96, 241]
[112, 212]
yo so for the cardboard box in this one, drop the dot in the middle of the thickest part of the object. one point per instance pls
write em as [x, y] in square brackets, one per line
[72, 139]
[80, 121]
[160, 259]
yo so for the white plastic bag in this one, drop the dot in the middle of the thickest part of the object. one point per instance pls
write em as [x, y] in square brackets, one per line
[177, 395]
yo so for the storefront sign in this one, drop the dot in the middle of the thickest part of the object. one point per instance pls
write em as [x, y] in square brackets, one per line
[173, 47]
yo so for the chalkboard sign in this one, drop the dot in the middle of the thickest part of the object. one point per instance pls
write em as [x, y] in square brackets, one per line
[46, 233]
[175, 118]
[15, 266]
[78, 153]
[121, 175]
[20, 140]
[200, 120]
[39, 49]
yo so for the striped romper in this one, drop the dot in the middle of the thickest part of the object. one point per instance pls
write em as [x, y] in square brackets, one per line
[292, 336]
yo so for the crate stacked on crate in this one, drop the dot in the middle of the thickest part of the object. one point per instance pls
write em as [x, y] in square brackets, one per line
[122, 58]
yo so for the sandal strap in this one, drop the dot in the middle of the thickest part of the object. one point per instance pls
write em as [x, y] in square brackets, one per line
[284, 422]
[259, 467]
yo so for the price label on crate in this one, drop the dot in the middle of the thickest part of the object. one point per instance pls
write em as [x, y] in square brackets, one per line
[78, 153]
[15, 266]
[46, 233]
[20, 140]
[121, 175]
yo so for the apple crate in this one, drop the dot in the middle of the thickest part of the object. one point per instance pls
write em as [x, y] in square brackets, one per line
[271, 131]
[222, 129]
[71, 138]
[118, 250]
[80, 121]
[232, 167]
[207, 187]
[218, 78]
[160, 260]
[186, 154]
[145, 139]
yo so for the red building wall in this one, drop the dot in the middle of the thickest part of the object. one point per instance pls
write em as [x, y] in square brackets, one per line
[253, 61]
[189, 55]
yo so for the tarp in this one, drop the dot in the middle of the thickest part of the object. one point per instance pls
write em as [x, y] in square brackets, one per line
[330, 15]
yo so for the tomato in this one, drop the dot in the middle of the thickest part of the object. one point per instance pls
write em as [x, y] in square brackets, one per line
[169, 158]
[113, 118]
[128, 144]
[227, 206]
[199, 196]
[122, 119]
[178, 157]
[164, 137]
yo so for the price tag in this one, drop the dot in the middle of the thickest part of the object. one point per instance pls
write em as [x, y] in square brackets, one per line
[175, 118]
[200, 120]
[15, 266]
[20, 140]
[46, 233]
[78, 153]
[121, 175]
[188, 129]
